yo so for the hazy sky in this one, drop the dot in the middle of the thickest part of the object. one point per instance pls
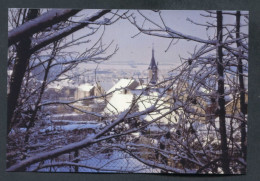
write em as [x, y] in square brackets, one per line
[139, 48]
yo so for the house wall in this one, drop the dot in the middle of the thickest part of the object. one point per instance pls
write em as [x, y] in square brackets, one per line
[234, 105]
[79, 94]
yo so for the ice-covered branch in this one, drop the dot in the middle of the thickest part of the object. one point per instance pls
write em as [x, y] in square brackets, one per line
[38, 24]
[67, 31]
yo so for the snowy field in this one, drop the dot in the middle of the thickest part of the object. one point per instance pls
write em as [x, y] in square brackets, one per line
[109, 161]
[114, 162]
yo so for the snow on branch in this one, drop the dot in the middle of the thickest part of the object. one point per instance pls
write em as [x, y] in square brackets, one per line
[67, 31]
[167, 32]
[62, 164]
[38, 24]
[74, 146]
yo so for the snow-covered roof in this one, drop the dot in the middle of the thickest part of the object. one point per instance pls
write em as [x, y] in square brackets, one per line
[61, 84]
[204, 90]
[55, 86]
[143, 86]
[71, 127]
[146, 102]
[106, 85]
[123, 83]
[118, 103]
[86, 87]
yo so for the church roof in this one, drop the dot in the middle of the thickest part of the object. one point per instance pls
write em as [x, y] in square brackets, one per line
[153, 65]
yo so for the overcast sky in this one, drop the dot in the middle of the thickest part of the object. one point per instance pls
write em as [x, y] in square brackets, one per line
[139, 48]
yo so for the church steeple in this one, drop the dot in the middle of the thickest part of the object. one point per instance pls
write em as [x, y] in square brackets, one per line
[153, 65]
[153, 70]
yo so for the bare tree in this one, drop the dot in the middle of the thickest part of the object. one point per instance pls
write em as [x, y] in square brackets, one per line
[195, 130]
[224, 71]
[24, 55]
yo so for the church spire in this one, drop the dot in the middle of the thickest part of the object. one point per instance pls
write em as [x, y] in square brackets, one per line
[153, 65]
[153, 52]
[153, 69]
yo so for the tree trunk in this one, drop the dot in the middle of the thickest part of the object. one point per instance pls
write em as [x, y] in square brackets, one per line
[243, 106]
[35, 111]
[76, 155]
[24, 52]
[221, 98]
[19, 70]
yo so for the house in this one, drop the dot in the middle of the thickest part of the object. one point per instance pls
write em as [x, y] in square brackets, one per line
[99, 90]
[121, 97]
[119, 102]
[60, 90]
[123, 85]
[233, 107]
[125, 92]
[67, 91]
[84, 90]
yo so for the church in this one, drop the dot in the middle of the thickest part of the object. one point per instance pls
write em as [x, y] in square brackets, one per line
[126, 90]
[153, 70]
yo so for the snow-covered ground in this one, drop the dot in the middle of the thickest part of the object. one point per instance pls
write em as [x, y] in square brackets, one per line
[71, 127]
[115, 161]
[65, 114]
[111, 161]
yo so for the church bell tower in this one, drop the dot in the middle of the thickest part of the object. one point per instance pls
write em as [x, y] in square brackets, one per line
[153, 70]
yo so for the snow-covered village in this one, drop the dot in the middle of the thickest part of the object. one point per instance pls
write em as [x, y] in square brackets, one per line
[127, 91]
